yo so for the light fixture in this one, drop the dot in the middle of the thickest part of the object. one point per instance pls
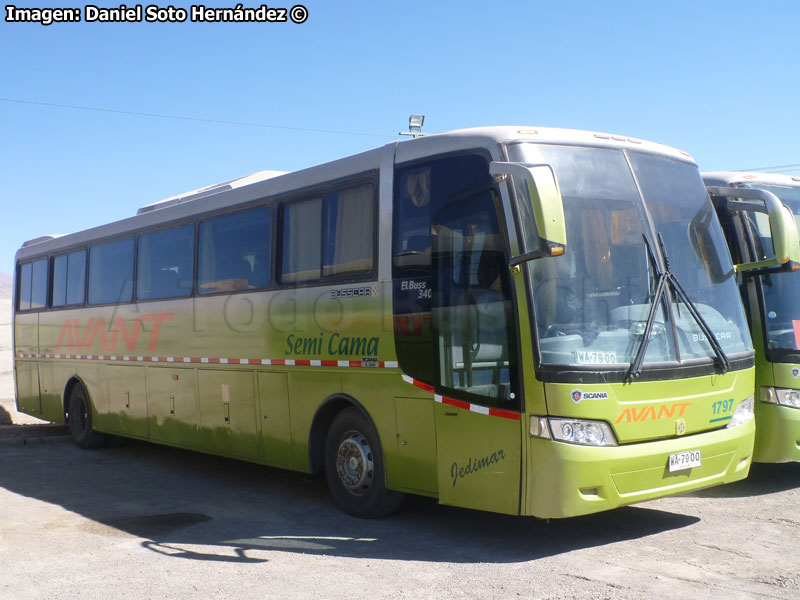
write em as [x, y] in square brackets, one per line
[414, 126]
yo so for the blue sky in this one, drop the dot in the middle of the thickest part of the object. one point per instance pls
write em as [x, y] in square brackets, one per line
[717, 79]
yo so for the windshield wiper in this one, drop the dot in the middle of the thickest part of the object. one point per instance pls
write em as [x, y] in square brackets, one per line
[661, 284]
[704, 326]
[663, 279]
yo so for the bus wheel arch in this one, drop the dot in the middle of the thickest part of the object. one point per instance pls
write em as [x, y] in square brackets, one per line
[344, 442]
[78, 415]
[326, 413]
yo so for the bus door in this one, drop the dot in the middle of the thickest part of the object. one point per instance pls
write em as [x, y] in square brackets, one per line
[477, 408]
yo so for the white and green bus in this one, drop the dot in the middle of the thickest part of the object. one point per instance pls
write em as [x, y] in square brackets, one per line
[529, 321]
[770, 296]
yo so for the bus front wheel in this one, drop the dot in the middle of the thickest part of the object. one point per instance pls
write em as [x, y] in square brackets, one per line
[79, 415]
[354, 467]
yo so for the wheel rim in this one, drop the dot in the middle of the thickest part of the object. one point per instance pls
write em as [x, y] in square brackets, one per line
[354, 463]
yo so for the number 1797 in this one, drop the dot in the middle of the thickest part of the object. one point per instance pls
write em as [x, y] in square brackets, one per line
[722, 406]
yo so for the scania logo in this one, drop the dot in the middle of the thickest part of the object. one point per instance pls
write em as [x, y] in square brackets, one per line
[795, 372]
[578, 395]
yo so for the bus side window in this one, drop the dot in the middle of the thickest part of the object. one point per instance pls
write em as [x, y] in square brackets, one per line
[76, 277]
[234, 251]
[343, 245]
[473, 318]
[762, 236]
[301, 254]
[39, 284]
[69, 279]
[166, 263]
[32, 290]
[411, 272]
[349, 231]
[412, 231]
[111, 272]
[59, 285]
[420, 190]
[24, 287]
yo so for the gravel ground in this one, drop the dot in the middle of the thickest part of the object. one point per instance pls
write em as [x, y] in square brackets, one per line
[135, 520]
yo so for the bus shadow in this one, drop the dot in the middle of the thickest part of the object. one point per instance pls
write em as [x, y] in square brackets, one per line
[763, 479]
[425, 531]
[198, 507]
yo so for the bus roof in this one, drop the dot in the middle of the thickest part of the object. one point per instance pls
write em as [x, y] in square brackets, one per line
[209, 190]
[274, 183]
[729, 178]
[491, 136]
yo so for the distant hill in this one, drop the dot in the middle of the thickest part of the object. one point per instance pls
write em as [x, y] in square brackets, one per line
[6, 286]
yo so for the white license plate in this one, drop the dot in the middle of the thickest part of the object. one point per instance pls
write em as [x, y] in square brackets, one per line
[590, 357]
[684, 460]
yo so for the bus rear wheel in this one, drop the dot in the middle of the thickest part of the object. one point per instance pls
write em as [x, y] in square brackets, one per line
[354, 467]
[79, 415]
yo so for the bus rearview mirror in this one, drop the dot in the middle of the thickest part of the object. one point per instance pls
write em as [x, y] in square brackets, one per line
[783, 229]
[538, 185]
[785, 238]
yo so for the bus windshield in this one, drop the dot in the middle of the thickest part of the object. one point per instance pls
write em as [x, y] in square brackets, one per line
[592, 303]
[781, 290]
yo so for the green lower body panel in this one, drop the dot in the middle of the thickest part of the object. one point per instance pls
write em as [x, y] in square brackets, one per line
[567, 480]
[777, 433]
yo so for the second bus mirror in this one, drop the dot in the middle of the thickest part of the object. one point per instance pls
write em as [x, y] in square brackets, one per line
[540, 209]
[782, 226]
[785, 237]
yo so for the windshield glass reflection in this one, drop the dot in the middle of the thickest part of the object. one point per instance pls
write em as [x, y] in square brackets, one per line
[592, 303]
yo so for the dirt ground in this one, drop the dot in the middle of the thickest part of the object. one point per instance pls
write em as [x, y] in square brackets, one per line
[135, 520]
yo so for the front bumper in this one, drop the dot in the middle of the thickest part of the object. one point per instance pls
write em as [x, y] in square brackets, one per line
[566, 480]
[777, 433]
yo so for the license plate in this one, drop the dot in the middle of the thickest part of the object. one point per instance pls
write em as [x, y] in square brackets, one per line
[590, 357]
[684, 460]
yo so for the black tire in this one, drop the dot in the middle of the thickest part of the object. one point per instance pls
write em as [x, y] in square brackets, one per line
[354, 467]
[79, 415]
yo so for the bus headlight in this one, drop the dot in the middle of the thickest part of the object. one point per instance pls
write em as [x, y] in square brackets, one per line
[784, 397]
[743, 412]
[583, 432]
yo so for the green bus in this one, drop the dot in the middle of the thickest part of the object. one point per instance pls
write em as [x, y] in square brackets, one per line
[770, 298]
[528, 321]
